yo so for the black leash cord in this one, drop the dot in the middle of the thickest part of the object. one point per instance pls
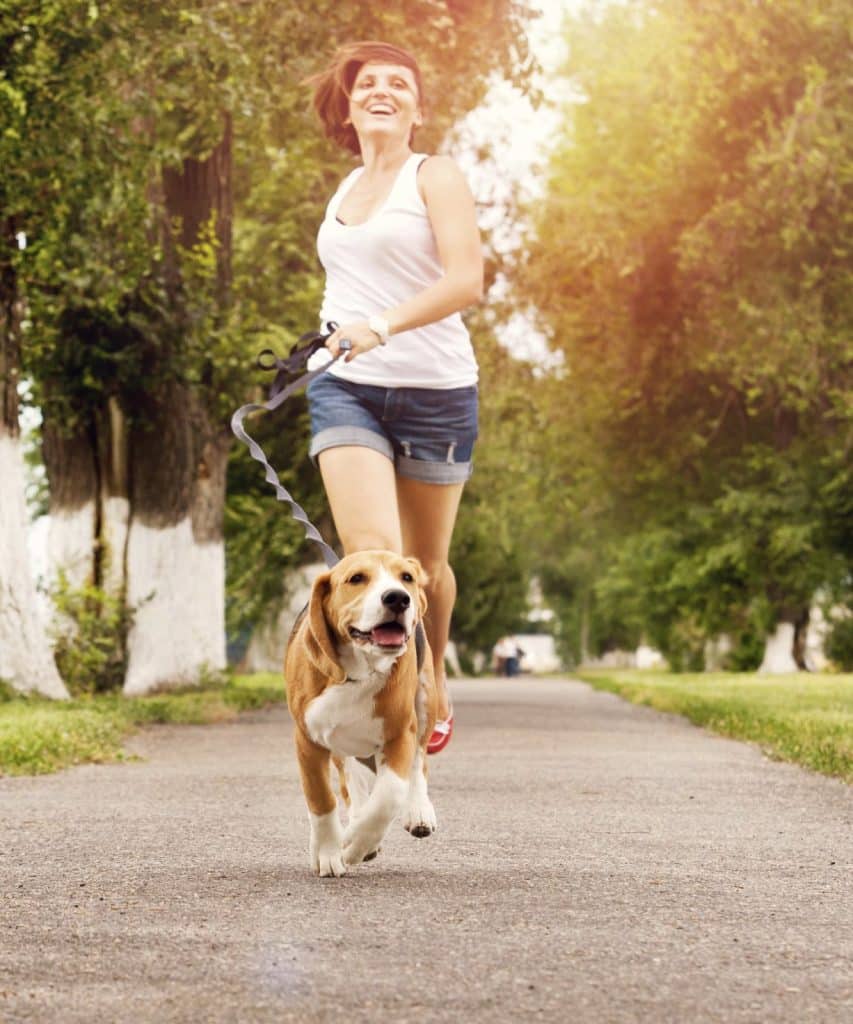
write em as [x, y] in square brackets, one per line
[298, 357]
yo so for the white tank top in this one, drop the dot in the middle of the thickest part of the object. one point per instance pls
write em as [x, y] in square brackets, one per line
[379, 264]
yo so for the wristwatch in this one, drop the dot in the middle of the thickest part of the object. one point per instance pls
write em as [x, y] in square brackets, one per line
[380, 327]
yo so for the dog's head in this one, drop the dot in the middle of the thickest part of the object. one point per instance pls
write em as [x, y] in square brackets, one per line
[371, 599]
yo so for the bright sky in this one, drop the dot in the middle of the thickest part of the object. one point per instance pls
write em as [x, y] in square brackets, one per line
[519, 136]
[518, 133]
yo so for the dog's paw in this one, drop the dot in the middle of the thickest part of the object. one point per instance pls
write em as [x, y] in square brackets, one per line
[325, 847]
[360, 845]
[419, 818]
[328, 862]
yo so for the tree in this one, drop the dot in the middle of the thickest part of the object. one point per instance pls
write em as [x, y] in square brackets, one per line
[25, 658]
[35, 41]
[692, 259]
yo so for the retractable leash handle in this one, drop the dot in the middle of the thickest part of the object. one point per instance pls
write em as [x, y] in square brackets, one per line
[279, 394]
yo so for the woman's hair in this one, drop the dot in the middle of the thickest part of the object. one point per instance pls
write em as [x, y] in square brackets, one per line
[332, 87]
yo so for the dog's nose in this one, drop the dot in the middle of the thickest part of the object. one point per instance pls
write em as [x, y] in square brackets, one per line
[396, 600]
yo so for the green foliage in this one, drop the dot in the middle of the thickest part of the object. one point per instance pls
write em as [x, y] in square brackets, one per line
[490, 578]
[100, 102]
[498, 513]
[692, 259]
[839, 644]
[800, 718]
[89, 635]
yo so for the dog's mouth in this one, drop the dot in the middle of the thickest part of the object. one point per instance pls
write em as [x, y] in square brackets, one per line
[385, 634]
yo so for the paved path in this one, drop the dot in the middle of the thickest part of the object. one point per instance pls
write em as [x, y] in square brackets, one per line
[595, 862]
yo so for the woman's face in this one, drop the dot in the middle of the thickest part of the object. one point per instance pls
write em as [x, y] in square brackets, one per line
[384, 101]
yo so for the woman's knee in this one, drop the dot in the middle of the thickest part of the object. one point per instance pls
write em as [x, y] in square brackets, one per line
[439, 572]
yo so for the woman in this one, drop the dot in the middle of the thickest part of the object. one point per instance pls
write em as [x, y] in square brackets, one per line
[394, 422]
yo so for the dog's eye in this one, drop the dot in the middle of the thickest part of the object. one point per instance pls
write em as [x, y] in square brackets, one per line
[407, 577]
[357, 577]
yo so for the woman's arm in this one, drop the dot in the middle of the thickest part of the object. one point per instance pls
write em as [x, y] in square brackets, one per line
[453, 218]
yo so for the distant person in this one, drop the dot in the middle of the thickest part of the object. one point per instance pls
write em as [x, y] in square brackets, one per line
[506, 656]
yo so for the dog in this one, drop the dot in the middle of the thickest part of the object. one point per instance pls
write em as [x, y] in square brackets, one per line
[361, 691]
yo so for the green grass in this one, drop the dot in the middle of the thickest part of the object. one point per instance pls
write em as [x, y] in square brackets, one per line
[38, 736]
[807, 719]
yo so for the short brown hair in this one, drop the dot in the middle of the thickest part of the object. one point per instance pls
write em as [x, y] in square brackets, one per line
[332, 87]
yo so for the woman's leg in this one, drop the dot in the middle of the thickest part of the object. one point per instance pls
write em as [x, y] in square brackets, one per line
[427, 515]
[362, 493]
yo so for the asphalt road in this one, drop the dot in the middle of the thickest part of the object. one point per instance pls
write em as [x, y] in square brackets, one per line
[595, 862]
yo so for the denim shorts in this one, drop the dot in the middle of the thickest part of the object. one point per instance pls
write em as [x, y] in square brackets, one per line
[428, 433]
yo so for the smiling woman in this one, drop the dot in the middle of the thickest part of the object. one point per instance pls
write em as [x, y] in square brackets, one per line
[394, 423]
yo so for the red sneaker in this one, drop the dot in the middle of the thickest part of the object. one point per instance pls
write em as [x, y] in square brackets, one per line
[441, 735]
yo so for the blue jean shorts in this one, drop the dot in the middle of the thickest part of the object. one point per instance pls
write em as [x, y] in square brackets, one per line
[428, 433]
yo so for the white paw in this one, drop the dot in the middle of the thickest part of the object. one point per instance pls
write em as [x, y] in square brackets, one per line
[419, 818]
[328, 860]
[326, 847]
[360, 844]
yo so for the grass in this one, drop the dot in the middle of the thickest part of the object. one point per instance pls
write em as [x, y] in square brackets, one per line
[38, 736]
[807, 719]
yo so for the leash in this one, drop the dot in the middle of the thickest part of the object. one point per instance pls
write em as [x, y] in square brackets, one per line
[280, 391]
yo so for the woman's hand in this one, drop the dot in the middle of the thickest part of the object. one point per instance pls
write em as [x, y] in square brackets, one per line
[362, 338]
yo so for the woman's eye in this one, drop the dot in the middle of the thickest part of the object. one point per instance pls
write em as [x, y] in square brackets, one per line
[357, 577]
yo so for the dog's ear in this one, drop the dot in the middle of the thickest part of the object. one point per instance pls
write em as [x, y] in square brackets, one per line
[318, 640]
[421, 579]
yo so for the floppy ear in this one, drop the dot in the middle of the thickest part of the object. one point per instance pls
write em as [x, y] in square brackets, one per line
[318, 638]
[421, 579]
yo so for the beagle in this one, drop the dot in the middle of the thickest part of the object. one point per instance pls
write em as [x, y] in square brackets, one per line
[357, 694]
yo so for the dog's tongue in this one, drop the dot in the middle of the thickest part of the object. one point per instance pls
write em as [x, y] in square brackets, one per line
[389, 634]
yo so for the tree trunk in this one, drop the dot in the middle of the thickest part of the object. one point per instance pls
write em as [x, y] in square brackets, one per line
[138, 484]
[784, 649]
[584, 630]
[176, 552]
[178, 460]
[801, 634]
[89, 508]
[26, 661]
[71, 462]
